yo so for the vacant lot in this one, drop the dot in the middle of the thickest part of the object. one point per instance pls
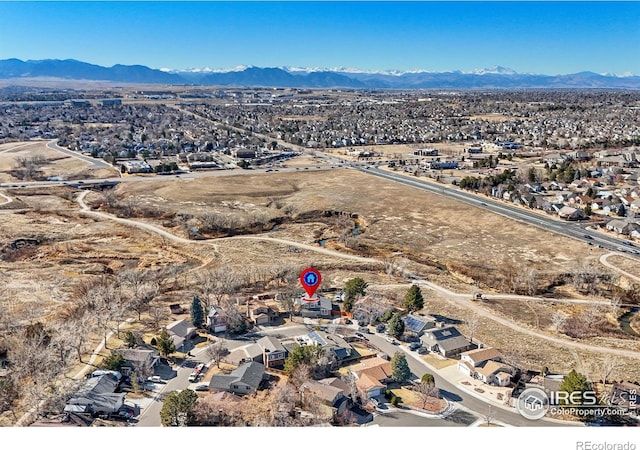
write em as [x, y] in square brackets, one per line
[394, 218]
[48, 163]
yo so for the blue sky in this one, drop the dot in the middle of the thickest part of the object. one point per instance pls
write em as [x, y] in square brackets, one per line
[538, 37]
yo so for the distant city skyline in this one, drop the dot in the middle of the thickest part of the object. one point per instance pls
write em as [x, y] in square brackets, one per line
[528, 37]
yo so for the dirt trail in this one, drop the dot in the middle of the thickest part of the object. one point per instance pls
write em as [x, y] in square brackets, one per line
[7, 199]
[462, 300]
[603, 260]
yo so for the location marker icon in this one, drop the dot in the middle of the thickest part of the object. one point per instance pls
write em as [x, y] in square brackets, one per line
[310, 279]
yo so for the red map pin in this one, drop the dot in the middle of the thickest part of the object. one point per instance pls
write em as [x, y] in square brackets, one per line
[310, 279]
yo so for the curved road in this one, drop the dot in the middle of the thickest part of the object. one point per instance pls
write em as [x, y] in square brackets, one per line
[462, 300]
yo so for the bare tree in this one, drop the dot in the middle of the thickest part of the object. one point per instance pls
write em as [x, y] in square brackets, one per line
[558, 320]
[472, 326]
[157, 314]
[300, 374]
[287, 299]
[217, 351]
[607, 366]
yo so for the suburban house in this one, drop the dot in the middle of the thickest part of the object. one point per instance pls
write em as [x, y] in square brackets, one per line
[269, 351]
[97, 396]
[372, 376]
[320, 308]
[622, 226]
[447, 341]
[216, 322]
[477, 357]
[326, 393]
[494, 373]
[417, 324]
[243, 380]
[569, 213]
[137, 359]
[259, 313]
[181, 331]
[333, 343]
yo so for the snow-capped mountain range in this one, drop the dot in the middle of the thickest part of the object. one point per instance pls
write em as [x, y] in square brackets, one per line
[301, 77]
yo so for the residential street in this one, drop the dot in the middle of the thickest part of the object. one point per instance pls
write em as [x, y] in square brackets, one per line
[468, 409]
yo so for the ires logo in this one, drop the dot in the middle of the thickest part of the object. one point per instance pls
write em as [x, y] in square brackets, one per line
[534, 404]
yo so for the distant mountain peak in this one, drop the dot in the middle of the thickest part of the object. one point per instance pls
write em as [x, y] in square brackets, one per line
[495, 70]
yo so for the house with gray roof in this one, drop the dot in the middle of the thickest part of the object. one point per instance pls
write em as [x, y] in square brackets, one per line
[326, 393]
[447, 341]
[321, 308]
[622, 226]
[181, 331]
[96, 396]
[333, 343]
[136, 358]
[269, 351]
[243, 380]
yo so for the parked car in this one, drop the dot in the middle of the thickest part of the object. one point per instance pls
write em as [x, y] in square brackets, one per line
[381, 327]
[391, 340]
[155, 379]
[414, 346]
[422, 351]
[364, 330]
[202, 387]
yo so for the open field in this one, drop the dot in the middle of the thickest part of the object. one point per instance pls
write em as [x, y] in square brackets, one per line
[394, 220]
[50, 164]
[627, 264]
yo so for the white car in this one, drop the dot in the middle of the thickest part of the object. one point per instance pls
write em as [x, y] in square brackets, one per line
[390, 339]
[155, 379]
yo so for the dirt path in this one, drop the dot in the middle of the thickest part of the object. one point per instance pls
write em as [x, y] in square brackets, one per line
[462, 300]
[7, 199]
[603, 260]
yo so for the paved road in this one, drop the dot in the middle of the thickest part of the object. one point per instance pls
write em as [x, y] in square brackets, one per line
[176, 379]
[453, 393]
[95, 162]
[404, 419]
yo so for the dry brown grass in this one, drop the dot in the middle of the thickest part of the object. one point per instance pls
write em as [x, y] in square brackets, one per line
[54, 163]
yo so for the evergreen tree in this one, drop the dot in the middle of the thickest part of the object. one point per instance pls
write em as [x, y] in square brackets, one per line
[413, 299]
[197, 313]
[165, 344]
[130, 339]
[177, 410]
[575, 382]
[347, 305]
[307, 354]
[386, 317]
[353, 287]
[428, 378]
[396, 326]
[114, 361]
[400, 368]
